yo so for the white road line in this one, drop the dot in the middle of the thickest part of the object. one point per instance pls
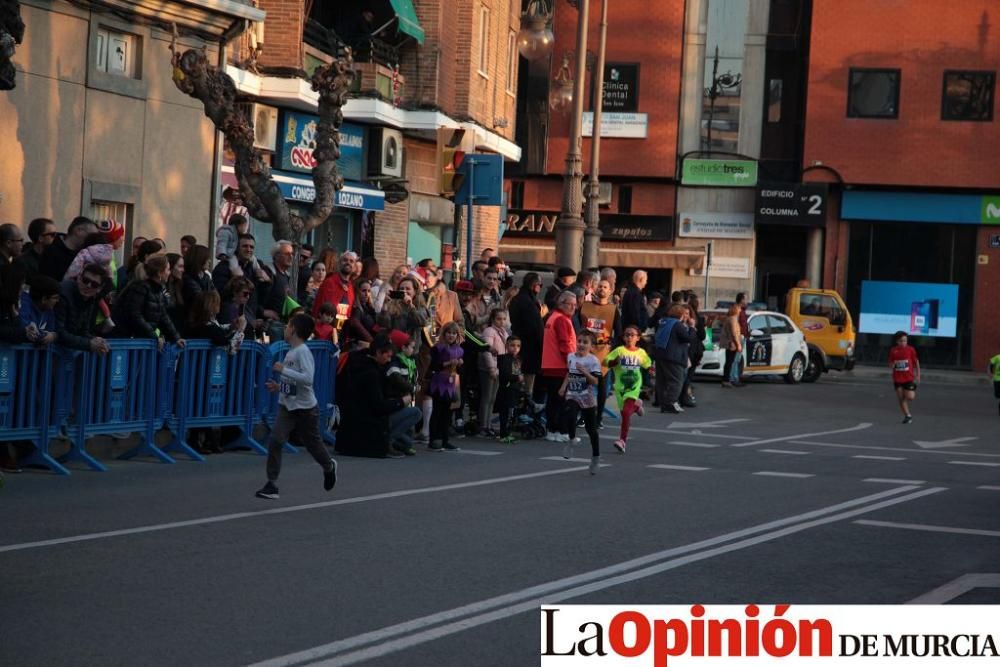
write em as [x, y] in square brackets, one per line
[931, 529]
[870, 457]
[784, 451]
[663, 431]
[957, 588]
[892, 449]
[479, 452]
[682, 443]
[890, 480]
[569, 460]
[394, 638]
[87, 537]
[988, 488]
[665, 466]
[771, 473]
[799, 436]
[986, 464]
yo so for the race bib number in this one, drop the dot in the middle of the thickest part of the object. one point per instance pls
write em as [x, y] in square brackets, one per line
[630, 380]
[287, 388]
[901, 365]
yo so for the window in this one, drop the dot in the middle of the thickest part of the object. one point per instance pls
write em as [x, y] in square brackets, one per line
[517, 194]
[118, 53]
[121, 213]
[821, 305]
[774, 95]
[759, 323]
[873, 93]
[511, 61]
[625, 199]
[968, 96]
[484, 41]
[779, 325]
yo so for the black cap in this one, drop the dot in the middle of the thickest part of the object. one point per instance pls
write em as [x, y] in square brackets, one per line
[565, 272]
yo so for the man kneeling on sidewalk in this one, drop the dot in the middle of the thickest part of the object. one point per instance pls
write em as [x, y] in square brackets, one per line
[298, 412]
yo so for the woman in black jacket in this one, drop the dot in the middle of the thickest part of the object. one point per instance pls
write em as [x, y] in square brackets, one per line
[197, 273]
[141, 310]
[695, 353]
[526, 323]
[12, 330]
[364, 408]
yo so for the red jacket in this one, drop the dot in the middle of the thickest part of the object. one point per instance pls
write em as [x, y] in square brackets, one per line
[558, 342]
[334, 290]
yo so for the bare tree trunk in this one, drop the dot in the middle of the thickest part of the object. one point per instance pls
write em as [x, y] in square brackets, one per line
[11, 33]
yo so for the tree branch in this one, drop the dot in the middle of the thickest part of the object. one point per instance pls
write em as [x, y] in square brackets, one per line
[11, 33]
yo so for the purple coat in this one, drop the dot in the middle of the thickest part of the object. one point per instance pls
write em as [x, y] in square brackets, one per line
[444, 381]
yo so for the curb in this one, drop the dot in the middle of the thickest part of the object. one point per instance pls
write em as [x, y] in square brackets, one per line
[930, 376]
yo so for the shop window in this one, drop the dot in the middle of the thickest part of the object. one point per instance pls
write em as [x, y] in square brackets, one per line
[968, 96]
[118, 53]
[873, 93]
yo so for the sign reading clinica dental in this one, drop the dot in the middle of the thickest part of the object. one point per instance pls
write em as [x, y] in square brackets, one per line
[720, 173]
[298, 140]
[621, 87]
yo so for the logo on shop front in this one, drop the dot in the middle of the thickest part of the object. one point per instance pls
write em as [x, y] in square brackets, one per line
[991, 211]
[302, 154]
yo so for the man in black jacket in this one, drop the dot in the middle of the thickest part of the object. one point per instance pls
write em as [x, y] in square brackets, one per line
[364, 409]
[634, 303]
[60, 254]
[76, 312]
[564, 279]
[42, 233]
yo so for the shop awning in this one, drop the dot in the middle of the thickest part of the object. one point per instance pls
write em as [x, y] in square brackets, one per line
[407, 17]
[641, 256]
[298, 187]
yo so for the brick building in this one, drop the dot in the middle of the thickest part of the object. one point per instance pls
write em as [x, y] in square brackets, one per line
[903, 125]
[422, 66]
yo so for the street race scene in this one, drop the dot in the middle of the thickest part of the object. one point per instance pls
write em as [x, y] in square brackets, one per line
[499, 332]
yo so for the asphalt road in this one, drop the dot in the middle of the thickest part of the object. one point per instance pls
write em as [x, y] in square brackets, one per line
[771, 493]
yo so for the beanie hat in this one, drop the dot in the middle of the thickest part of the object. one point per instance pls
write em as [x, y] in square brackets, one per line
[421, 278]
[112, 229]
[399, 339]
[464, 286]
[565, 272]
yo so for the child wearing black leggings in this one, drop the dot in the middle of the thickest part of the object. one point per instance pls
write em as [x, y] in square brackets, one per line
[583, 374]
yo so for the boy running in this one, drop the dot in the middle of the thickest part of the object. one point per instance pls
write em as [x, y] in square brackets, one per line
[298, 414]
[627, 362]
[905, 373]
[583, 374]
[995, 372]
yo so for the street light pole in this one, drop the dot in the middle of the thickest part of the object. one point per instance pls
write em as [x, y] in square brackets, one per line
[592, 233]
[569, 228]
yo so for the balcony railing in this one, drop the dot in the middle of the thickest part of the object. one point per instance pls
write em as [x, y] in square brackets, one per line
[369, 50]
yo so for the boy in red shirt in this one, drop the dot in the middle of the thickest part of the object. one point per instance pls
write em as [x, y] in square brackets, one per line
[905, 372]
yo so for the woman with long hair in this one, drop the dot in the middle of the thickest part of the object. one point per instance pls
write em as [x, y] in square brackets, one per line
[360, 329]
[175, 296]
[141, 309]
[137, 263]
[197, 273]
[381, 296]
[406, 313]
[317, 274]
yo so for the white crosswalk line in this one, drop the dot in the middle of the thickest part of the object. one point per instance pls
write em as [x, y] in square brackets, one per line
[772, 473]
[890, 480]
[665, 466]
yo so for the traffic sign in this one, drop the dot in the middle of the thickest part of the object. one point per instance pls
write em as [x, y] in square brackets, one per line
[485, 186]
[791, 204]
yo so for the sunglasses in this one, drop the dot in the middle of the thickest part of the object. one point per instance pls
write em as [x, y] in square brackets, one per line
[87, 282]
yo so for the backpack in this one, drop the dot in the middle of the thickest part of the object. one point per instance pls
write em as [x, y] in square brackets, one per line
[663, 329]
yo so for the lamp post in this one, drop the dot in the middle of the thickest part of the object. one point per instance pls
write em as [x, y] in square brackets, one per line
[534, 40]
[569, 228]
[592, 232]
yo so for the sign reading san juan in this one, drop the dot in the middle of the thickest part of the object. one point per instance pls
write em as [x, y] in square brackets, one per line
[791, 204]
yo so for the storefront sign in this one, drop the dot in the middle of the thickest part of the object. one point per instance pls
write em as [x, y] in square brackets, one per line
[921, 207]
[614, 227]
[618, 125]
[621, 87]
[791, 204]
[352, 195]
[725, 267]
[721, 173]
[298, 140]
[991, 211]
[716, 225]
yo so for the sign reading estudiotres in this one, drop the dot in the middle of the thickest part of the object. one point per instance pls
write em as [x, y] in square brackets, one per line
[837, 635]
[721, 173]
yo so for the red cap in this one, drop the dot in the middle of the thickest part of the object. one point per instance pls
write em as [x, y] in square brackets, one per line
[399, 339]
[465, 286]
[112, 229]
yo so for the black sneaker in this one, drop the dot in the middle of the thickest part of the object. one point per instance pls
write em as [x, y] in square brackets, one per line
[394, 454]
[268, 492]
[908, 419]
[435, 447]
[330, 478]
[450, 448]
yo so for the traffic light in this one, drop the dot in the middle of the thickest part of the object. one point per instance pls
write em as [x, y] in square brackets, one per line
[452, 145]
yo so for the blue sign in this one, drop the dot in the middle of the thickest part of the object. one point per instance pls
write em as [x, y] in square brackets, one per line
[918, 309]
[8, 365]
[217, 367]
[486, 182]
[298, 139]
[119, 369]
[352, 195]
[915, 207]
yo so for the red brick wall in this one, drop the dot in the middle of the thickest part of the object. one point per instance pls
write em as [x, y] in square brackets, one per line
[421, 166]
[922, 38]
[391, 227]
[986, 324]
[639, 31]
[282, 33]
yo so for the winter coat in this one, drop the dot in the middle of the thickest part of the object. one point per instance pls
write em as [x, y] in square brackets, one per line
[634, 309]
[559, 341]
[75, 317]
[141, 309]
[101, 253]
[195, 285]
[364, 408]
[678, 344]
[496, 339]
[526, 323]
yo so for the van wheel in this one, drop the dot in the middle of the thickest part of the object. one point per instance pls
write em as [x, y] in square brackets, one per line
[796, 370]
[814, 369]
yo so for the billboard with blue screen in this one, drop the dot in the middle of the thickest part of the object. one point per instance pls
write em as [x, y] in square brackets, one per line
[919, 309]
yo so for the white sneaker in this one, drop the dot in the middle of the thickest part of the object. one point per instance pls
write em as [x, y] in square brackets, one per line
[576, 440]
[568, 450]
[563, 437]
[551, 437]
[677, 407]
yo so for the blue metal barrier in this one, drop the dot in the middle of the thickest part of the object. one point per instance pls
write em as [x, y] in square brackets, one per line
[325, 356]
[26, 399]
[215, 388]
[117, 394]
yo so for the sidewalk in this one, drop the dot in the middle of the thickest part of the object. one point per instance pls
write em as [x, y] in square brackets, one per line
[932, 375]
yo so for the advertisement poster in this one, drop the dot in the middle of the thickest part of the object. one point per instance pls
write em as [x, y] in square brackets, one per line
[298, 139]
[919, 309]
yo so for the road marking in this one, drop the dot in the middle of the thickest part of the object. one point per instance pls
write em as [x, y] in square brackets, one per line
[931, 529]
[727, 436]
[479, 452]
[771, 473]
[942, 444]
[784, 451]
[719, 423]
[957, 588]
[682, 443]
[890, 449]
[664, 466]
[407, 634]
[799, 436]
[87, 537]
[890, 480]
[988, 488]
[870, 457]
[571, 460]
[975, 463]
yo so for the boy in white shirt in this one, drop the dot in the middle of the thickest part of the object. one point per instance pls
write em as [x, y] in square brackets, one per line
[583, 374]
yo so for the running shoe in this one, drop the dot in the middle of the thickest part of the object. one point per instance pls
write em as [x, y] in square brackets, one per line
[330, 478]
[620, 446]
[451, 448]
[595, 463]
[640, 409]
[568, 450]
[268, 492]
[908, 419]
[435, 447]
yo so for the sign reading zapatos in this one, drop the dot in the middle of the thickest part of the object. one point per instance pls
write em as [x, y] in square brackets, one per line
[660, 636]
[791, 204]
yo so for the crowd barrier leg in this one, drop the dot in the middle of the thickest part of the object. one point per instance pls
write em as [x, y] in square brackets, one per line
[26, 415]
[606, 411]
[179, 444]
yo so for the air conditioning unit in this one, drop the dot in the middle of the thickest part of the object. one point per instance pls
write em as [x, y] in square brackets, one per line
[265, 126]
[385, 153]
